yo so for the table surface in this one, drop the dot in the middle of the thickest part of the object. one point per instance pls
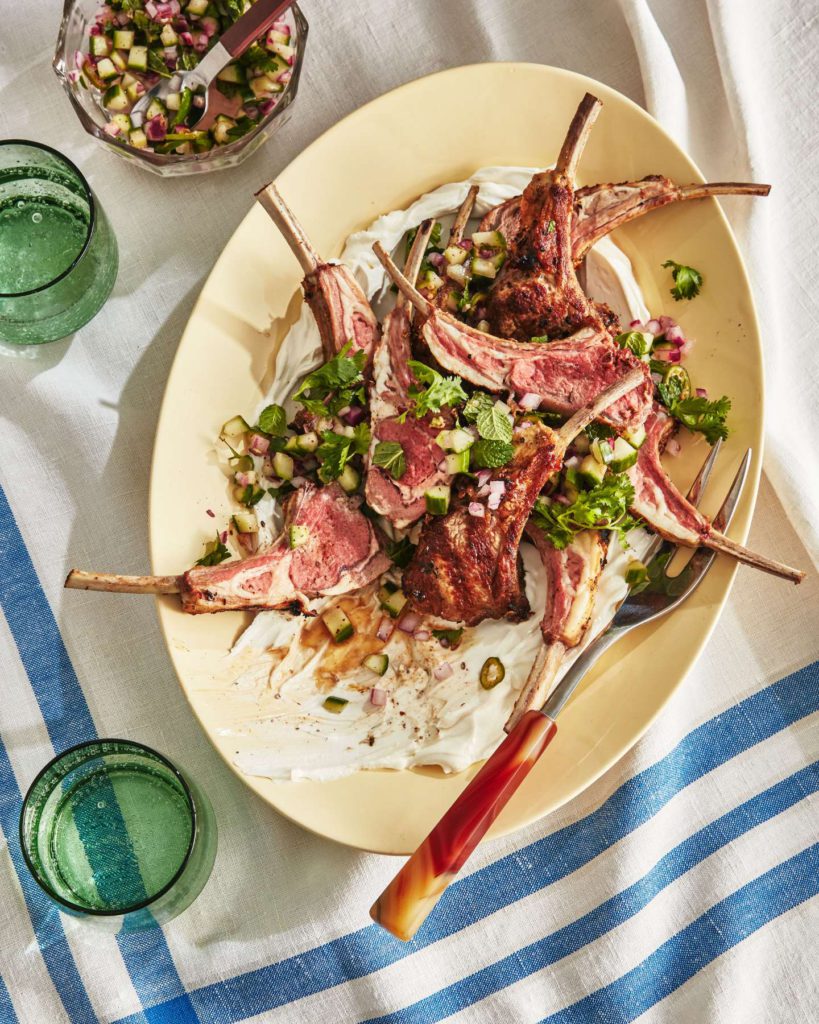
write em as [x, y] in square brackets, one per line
[679, 886]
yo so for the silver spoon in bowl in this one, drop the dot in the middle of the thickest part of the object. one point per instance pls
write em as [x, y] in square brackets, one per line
[256, 20]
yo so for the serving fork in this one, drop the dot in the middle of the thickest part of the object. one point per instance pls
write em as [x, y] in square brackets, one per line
[412, 894]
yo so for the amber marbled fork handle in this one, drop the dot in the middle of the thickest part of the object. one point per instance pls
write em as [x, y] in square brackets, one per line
[404, 905]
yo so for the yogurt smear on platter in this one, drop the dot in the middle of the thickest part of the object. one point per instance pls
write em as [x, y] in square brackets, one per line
[286, 667]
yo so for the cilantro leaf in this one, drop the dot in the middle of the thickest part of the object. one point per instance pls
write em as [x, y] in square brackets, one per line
[486, 454]
[252, 495]
[440, 391]
[701, 415]
[337, 383]
[400, 552]
[636, 341]
[598, 431]
[495, 423]
[215, 552]
[605, 506]
[390, 456]
[273, 421]
[336, 450]
[687, 281]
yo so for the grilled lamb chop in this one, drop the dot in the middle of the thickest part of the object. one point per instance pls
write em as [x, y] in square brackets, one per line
[658, 502]
[401, 501]
[566, 374]
[466, 568]
[537, 293]
[341, 309]
[599, 209]
[571, 589]
[340, 552]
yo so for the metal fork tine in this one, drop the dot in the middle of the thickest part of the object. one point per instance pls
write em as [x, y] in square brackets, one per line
[723, 518]
[701, 479]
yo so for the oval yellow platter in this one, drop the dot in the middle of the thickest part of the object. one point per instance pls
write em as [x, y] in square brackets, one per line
[379, 159]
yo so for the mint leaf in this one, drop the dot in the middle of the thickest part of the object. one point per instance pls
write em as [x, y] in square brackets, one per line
[637, 342]
[477, 403]
[490, 454]
[390, 456]
[400, 552]
[495, 423]
[273, 421]
[336, 450]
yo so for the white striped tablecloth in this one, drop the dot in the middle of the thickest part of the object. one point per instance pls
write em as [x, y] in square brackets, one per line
[681, 886]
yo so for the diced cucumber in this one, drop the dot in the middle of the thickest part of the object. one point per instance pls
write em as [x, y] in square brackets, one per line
[483, 268]
[335, 704]
[635, 436]
[284, 51]
[106, 69]
[248, 474]
[138, 58]
[134, 89]
[488, 240]
[168, 36]
[100, 46]
[173, 100]
[262, 86]
[636, 573]
[338, 625]
[119, 61]
[623, 456]
[590, 472]
[378, 663]
[233, 73]
[581, 444]
[297, 536]
[246, 522]
[138, 139]
[457, 462]
[349, 479]
[114, 98]
[437, 499]
[234, 427]
[197, 7]
[124, 39]
[455, 440]
[430, 280]
[601, 449]
[122, 121]
[220, 130]
[283, 466]
[292, 443]
[392, 599]
[274, 37]
[455, 272]
[455, 255]
[155, 108]
[307, 443]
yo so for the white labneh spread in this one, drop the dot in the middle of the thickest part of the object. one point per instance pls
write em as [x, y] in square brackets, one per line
[286, 667]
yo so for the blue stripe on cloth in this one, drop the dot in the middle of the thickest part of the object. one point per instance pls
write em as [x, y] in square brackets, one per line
[7, 1014]
[68, 721]
[45, 919]
[614, 911]
[721, 928]
[528, 870]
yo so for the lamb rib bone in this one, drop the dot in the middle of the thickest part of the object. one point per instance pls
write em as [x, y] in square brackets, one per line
[456, 234]
[466, 568]
[565, 374]
[341, 553]
[599, 209]
[660, 504]
[338, 303]
[401, 501]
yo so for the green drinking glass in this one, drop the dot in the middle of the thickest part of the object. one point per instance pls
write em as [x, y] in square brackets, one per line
[58, 255]
[113, 831]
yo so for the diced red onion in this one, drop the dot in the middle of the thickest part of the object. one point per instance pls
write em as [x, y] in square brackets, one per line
[181, 24]
[156, 129]
[529, 401]
[465, 243]
[210, 512]
[170, 54]
[634, 323]
[298, 481]
[675, 334]
[656, 377]
[223, 536]
[436, 259]
[493, 501]
[210, 26]
[258, 445]
[291, 60]
[497, 487]
[354, 415]
[74, 75]
[421, 634]
[284, 77]
[409, 622]
[241, 479]
[111, 129]
[482, 492]
[95, 30]
[104, 15]
[666, 323]
[79, 59]
[442, 671]
[281, 26]
[186, 38]
[385, 628]
[673, 447]
[198, 101]
[267, 105]
[675, 355]
[378, 697]
[562, 499]
[662, 355]
[701, 392]
[483, 476]
[150, 9]
[653, 327]
[476, 509]
[249, 541]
